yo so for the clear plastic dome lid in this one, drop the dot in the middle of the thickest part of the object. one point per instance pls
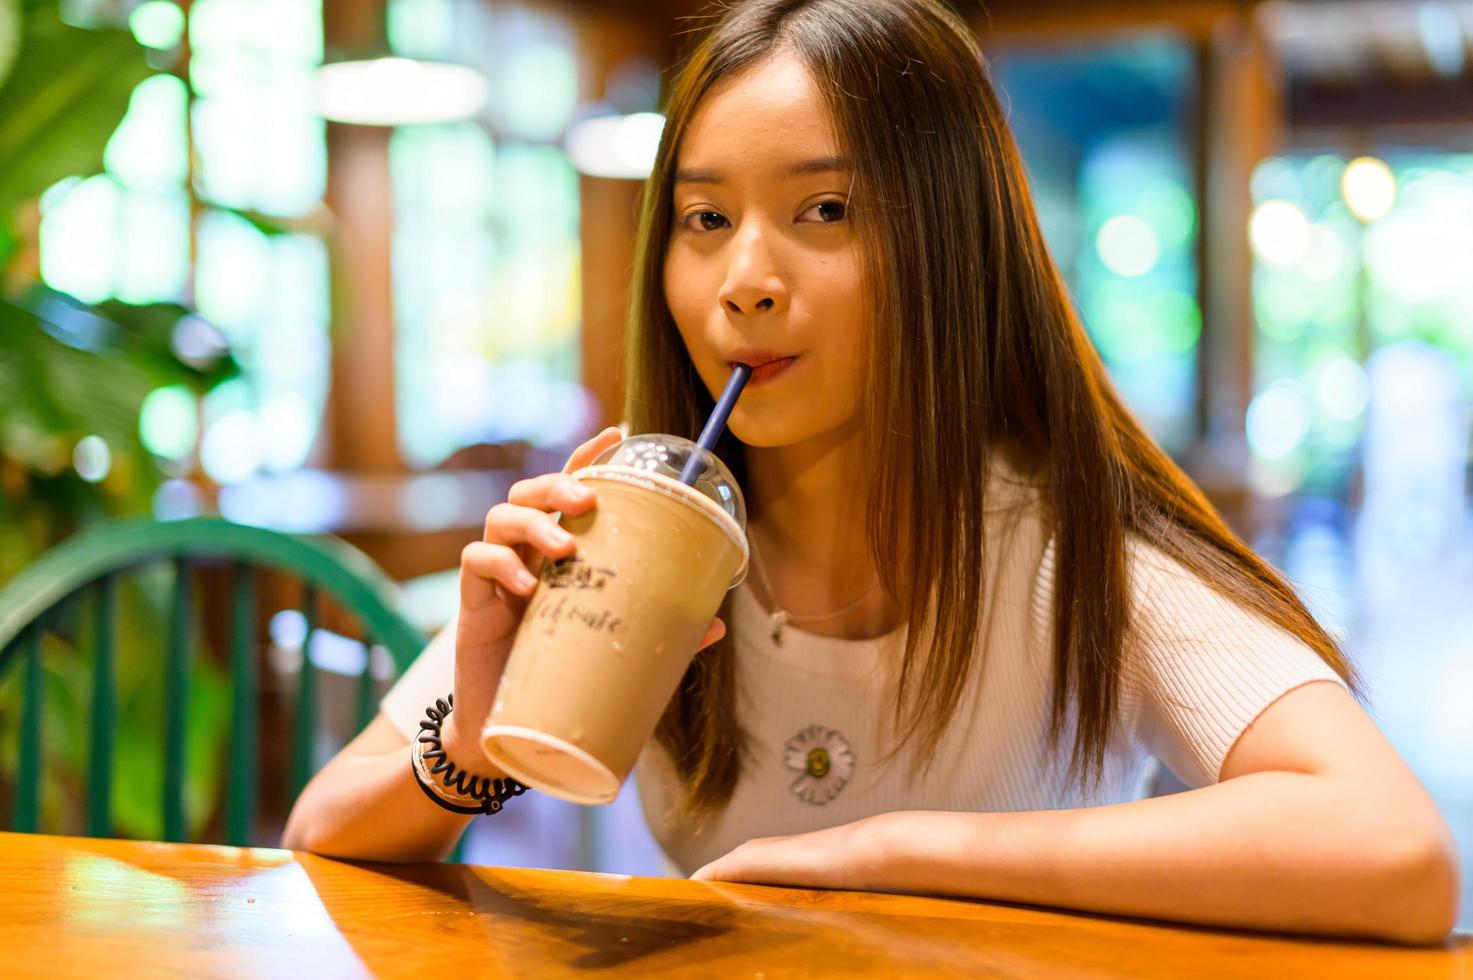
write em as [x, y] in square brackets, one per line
[668, 456]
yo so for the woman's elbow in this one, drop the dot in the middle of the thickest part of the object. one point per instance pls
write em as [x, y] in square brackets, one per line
[307, 829]
[1423, 886]
[298, 834]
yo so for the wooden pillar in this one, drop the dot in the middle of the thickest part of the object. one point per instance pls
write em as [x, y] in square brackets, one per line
[609, 208]
[1240, 122]
[360, 413]
[608, 225]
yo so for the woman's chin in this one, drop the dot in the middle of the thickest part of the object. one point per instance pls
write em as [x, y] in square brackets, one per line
[758, 431]
[766, 429]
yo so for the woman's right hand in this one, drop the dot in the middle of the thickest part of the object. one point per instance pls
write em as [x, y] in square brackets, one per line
[498, 575]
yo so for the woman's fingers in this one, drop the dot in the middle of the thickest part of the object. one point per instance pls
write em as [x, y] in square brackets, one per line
[524, 529]
[483, 566]
[512, 524]
[587, 452]
[551, 492]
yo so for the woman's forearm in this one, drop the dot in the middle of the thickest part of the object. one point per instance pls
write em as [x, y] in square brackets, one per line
[1272, 850]
[370, 808]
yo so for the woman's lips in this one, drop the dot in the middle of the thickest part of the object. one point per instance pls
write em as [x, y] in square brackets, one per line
[769, 371]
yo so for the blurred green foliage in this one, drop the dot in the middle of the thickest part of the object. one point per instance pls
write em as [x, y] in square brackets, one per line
[69, 371]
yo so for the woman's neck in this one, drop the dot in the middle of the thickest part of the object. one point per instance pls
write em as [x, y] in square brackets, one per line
[808, 525]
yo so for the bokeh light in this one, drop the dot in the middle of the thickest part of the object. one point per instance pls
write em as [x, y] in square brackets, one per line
[398, 91]
[148, 150]
[1167, 206]
[92, 458]
[231, 450]
[1279, 232]
[541, 81]
[125, 233]
[1277, 177]
[290, 424]
[1424, 249]
[1324, 255]
[616, 146]
[77, 254]
[1387, 243]
[1278, 419]
[168, 422]
[1128, 246]
[1340, 388]
[259, 142]
[157, 24]
[1369, 188]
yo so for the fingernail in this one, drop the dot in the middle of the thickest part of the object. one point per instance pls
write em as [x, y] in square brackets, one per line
[525, 579]
[561, 536]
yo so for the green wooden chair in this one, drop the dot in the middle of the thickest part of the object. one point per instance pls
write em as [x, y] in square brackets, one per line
[91, 563]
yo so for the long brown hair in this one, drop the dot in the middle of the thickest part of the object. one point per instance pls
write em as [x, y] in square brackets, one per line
[974, 346]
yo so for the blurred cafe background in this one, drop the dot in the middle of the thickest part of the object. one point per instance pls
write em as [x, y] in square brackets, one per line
[351, 267]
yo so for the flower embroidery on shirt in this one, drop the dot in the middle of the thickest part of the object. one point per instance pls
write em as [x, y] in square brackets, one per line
[823, 760]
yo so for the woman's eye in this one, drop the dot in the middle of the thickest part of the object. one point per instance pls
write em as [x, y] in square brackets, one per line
[830, 211]
[708, 220]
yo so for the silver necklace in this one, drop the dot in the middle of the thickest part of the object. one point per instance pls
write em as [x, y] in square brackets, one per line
[780, 616]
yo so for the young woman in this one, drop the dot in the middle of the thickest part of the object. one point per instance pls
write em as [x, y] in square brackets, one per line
[982, 600]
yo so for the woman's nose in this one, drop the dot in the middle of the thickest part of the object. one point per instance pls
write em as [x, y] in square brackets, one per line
[752, 284]
[760, 305]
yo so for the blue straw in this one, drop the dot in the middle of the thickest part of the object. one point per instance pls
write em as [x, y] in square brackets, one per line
[717, 421]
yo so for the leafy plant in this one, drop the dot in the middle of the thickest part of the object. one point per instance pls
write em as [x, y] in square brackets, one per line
[69, 371]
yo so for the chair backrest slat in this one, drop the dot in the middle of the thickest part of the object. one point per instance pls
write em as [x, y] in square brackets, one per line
[104, 709]
[90, 566]
[28, 780]
[303, 763]
[367, 703]
[240, 803]
[176, 699]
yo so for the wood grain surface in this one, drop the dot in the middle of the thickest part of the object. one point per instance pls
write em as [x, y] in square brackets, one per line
[83, 907]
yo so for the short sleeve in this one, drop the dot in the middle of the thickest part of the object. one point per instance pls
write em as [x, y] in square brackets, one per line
[431, 676]
[1199, 668]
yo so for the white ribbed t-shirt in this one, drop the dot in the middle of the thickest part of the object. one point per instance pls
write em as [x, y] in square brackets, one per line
[1198, 670]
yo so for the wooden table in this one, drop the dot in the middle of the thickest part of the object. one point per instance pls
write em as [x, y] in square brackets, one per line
[79, 907]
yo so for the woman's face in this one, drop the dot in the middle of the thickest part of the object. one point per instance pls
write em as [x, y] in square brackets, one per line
[762, 255]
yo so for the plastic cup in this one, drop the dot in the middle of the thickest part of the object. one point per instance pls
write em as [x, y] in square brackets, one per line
[612, 628]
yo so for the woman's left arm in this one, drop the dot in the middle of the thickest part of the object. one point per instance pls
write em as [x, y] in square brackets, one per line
[1316, 825]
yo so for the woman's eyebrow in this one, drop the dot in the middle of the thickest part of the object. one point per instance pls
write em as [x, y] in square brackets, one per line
[804, 168]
